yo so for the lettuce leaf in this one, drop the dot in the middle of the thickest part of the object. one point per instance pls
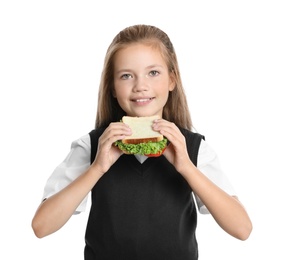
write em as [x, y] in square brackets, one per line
[143, 148]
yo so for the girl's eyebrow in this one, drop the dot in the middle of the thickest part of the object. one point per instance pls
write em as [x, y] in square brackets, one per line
[154, 66]
[130, 70]
[122, 71]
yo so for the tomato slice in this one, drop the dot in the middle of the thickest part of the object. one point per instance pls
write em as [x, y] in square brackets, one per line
[156, 154]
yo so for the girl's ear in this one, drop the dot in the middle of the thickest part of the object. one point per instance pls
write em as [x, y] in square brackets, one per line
[171, 82]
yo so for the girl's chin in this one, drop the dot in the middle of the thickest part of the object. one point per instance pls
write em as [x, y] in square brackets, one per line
[143, 114]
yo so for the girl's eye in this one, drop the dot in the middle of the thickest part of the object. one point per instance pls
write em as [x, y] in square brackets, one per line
[153, 73]
[126, 76]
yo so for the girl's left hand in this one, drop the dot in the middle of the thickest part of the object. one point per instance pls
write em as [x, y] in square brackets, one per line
[176, 152]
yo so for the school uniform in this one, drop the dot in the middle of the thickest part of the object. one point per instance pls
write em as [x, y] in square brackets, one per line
[142, 208]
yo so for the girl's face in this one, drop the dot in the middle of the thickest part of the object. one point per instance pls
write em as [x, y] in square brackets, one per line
[141, 80]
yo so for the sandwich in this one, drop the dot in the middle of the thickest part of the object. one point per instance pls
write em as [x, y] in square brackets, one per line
[144, 140]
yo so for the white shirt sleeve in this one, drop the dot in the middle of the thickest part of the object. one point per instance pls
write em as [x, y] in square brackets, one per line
[209, 165]
[76, 163]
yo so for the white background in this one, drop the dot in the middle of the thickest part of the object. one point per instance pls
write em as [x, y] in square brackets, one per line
[233, 61]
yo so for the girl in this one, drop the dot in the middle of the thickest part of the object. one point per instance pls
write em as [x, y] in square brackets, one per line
[142, 208]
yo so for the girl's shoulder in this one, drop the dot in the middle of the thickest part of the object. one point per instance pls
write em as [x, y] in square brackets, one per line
[193, 142]
[97, 132]
[191, 135]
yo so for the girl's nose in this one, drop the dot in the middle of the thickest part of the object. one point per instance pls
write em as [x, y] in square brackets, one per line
[141, 84]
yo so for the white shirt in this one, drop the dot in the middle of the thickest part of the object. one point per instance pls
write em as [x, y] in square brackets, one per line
[78, 161]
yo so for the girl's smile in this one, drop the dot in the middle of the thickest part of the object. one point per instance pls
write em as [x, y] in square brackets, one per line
[142, 101]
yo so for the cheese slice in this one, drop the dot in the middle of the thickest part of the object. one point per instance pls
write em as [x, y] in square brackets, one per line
[142, 131]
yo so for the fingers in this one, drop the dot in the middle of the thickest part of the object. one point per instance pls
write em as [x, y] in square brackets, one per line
[107, 153]
[114, 132]
[173, 134]
[176, 153]
[169, 130]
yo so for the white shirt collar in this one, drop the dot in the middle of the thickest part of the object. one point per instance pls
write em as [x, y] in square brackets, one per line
[141, 158]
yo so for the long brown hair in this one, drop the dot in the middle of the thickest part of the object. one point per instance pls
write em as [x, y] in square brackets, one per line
[175, 110]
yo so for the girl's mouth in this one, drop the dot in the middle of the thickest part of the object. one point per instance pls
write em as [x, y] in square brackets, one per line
[142, 100]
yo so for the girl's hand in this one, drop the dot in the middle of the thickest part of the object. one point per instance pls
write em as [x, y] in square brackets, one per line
[176, 152]
[107, 153]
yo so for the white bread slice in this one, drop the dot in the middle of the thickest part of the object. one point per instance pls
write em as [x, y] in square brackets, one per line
[142, 131]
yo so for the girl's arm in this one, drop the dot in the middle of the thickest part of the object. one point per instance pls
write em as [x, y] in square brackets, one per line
[55, 211]
[227, 211]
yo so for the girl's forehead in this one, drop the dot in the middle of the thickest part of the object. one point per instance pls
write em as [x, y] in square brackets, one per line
[138, 49]
[139, 54]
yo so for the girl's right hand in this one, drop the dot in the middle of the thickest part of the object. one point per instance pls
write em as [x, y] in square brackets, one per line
[107, 153]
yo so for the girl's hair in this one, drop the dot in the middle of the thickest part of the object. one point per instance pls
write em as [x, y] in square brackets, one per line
[176, 109]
